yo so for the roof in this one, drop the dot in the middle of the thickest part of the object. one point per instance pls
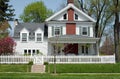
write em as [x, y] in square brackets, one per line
[66, 8]
[73, 39]
[31, 27]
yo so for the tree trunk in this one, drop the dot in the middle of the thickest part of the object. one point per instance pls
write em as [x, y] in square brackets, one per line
[116, 31]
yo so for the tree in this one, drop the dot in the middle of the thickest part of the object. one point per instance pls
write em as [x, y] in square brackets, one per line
[6, 14]
[116, 28]
[4, 25]
[6, 11]
[35, 12]
[107, 47]
[7, 46]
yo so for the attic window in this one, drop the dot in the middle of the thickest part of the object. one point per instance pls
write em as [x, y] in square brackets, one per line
[65, 16]
[76, 17]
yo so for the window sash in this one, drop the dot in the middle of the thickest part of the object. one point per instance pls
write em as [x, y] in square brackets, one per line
[24, 36]
[39, 37]
[85, 31]
[56, 31]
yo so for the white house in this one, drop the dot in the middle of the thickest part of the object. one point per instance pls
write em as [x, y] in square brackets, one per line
[30, 38]
[70, 29]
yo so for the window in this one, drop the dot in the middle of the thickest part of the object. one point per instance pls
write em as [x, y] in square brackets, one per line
[25, 52]
[29, 52]
[85, 31]
[76, 17]
[83, 49]
[57, 30]
[39, 37]
[65, 16]
[24, 37]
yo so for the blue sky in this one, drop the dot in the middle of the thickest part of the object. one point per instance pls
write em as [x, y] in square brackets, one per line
[19, 5]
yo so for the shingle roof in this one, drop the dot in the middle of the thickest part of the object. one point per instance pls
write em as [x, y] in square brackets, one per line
[73, 39]
[31, 27]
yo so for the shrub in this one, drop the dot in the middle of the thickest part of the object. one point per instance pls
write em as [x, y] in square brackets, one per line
[30, 63]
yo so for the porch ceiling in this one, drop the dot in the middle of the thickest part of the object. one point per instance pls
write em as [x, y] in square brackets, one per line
[72, 39]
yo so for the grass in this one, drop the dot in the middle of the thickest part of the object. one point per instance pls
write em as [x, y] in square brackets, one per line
[14, 68]
[85, 68]
[58, 76]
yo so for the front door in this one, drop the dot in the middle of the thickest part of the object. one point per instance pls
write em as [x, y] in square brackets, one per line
[71, 49]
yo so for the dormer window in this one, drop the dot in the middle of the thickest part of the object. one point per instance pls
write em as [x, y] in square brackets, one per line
[65, 16]
[38, 37]
[76, 17]
[24, 37]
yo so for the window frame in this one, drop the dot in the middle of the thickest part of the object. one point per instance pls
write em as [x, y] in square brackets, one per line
[37, 37]
[55, 29]
[22, 38]
[82, 28]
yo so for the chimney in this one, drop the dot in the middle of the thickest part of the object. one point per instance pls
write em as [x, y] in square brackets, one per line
[70, 1]
[16, 22]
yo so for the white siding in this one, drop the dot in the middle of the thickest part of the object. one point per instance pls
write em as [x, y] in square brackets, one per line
[78, 25]
[31, 45]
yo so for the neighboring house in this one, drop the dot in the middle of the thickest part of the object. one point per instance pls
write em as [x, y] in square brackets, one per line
[31, 39]
[70, 31]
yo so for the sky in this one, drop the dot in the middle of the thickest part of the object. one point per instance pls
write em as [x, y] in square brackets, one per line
[19, 5]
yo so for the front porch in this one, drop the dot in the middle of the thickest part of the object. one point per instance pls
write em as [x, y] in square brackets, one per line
[73, 45]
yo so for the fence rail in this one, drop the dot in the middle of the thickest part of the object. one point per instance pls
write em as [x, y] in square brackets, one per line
[58, 59]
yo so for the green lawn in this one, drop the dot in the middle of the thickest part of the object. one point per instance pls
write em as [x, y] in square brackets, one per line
[14, 68]
[58, 76]
[86, 68]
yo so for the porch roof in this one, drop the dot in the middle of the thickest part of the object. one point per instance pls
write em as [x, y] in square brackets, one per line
[72, 39]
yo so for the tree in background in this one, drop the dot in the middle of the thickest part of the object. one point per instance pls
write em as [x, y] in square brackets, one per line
[116, 10]
[35, 12]
[6, 11]
[6, 14]
[7, 46]
[107, 47]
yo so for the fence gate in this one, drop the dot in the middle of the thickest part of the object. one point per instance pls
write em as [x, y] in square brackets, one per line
[38, 60]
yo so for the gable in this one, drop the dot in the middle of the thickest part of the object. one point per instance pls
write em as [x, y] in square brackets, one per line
[59, 16]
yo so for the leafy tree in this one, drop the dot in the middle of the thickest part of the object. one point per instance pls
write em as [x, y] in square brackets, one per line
[6, 11]
[4, 25]
[35, 12]
[7, 45]
[6, 14]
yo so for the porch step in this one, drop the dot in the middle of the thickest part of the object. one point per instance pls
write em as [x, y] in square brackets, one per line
[38, 69]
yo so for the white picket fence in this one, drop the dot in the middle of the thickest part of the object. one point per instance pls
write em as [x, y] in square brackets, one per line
[58, 59]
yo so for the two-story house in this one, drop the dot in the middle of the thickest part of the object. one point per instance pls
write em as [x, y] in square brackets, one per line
[72, 32]
[31, 38]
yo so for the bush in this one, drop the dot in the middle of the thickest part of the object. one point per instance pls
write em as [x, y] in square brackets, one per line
[30, 63]
[46, 63]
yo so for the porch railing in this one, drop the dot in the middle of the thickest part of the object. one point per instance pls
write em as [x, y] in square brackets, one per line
[58, 59]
